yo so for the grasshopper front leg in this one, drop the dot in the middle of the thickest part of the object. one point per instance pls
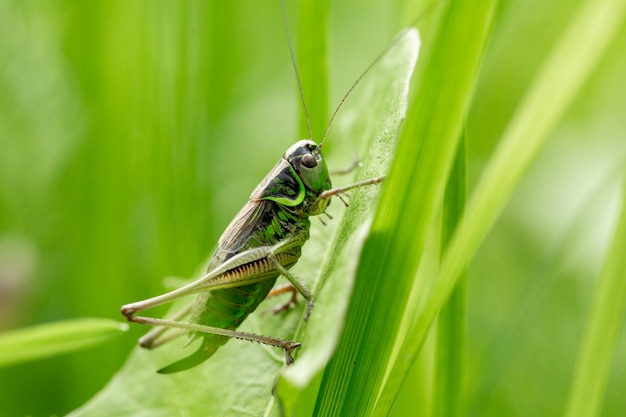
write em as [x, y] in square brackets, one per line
[325, 195]
[339, 190]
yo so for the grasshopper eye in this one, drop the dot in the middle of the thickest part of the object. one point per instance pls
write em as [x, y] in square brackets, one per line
[309, 161]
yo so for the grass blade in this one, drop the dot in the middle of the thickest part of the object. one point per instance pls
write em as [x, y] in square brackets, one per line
[58, 338]
[313, 60]
[449, 378]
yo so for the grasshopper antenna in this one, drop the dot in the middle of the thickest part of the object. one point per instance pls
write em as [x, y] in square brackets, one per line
[295, 68]
[371, 65]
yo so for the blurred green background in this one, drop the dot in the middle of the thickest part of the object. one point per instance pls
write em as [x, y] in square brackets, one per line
[132, 131]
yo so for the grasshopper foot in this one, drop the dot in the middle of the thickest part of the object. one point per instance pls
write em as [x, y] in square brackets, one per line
[291, 346]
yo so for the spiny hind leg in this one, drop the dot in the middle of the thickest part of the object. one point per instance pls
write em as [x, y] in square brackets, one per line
[287, 346]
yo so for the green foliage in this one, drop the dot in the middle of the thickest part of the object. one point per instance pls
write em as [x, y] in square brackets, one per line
[132, 131]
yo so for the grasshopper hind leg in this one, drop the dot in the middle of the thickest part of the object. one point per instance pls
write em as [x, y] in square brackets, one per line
[274, 254]
[204, 353]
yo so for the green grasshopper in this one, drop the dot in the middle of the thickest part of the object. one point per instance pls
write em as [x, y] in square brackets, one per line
[261, 243]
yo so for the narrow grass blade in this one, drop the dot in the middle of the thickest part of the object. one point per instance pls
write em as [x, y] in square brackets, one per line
[313, 64]
[52, 339]
[449, 389]
[605, 323]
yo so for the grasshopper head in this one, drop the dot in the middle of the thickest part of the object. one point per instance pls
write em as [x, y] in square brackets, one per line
[298, 179]
[306, 159]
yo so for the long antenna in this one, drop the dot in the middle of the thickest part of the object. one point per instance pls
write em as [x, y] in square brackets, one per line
[354, 84]
[370, 66]
[295, 68]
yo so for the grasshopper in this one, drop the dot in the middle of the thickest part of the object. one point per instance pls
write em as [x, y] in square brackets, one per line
[262, 242]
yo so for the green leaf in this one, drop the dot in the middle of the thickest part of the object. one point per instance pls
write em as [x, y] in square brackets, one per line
[53, 339]
[240, 377]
